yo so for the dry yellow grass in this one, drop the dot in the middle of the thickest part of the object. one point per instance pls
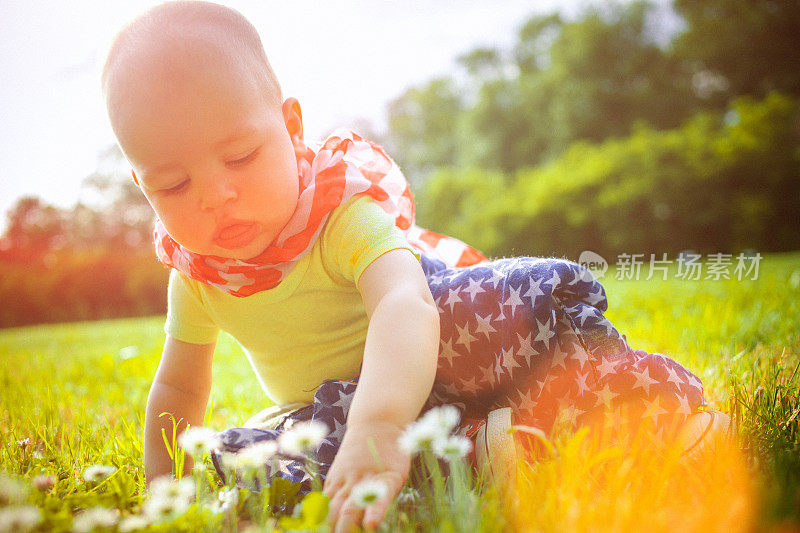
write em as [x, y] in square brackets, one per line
[586, 485]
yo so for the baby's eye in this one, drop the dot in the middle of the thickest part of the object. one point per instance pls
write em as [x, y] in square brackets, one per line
[243, 160]
[176, 189]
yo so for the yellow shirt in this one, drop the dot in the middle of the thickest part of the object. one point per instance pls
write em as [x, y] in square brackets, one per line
[309, 328]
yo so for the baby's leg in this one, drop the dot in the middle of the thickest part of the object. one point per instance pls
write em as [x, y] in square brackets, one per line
[530, 334]
[331, 404]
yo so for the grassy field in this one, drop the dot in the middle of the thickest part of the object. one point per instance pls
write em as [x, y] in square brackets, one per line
[73, 395]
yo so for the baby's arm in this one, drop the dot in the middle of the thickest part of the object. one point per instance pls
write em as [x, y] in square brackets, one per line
[181, 386]
[396, 378]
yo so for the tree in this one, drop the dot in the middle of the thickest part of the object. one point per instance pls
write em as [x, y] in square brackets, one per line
[741, 47]
[34, 228]
[562, 82]
[422, 122]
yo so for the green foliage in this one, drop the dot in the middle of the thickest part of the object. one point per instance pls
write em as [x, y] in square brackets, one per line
[422, 122]
[750, 46]
[718, 183]
[313, 512]
[562, 82]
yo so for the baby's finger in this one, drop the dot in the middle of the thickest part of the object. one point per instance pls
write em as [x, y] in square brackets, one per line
[349, 517]
[375, 513]
[335, 506]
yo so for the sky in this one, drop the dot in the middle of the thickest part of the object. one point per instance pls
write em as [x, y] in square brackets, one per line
[343, 60]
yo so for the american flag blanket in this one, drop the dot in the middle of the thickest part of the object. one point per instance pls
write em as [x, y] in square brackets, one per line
[526, 333]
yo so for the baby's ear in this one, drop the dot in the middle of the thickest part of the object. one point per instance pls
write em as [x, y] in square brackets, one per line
[135, 179]
[293, 117]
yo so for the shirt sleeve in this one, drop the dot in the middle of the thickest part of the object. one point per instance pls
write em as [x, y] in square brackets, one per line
[187, 320]
[358, 233]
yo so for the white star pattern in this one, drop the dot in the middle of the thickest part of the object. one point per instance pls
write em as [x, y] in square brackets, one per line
[580, 354]
[575, 271]
[487, 373]
[673, 377]
[685, 408]
[606, 367]
[643, 380]
[509, 361]
[447, 351]
[484, 325]
[595, 298]
[473, 289]
[653, 409]
[344, 401]
[559, 357]
[514, 300]
[604, 322]
[527, 401]
[470, 386]
[582, 386]
[526, 348]
[499, 370]
[605, 395]
[438, 301]
[587, 312]
[500, 316]
[464, 336]
[545, 333]
[452, 299]
[555, 280]
[497, 276]
[693, 381]
[534, 290]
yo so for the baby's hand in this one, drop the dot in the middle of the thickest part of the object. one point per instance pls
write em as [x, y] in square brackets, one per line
[355, 462]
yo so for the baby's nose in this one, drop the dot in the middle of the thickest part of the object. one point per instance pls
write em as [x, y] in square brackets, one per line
[217, 194]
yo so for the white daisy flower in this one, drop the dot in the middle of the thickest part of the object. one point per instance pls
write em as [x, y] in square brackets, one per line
[133, 523]
[227, 500]
[257, 455]
[160, 508]
[216, 507]
[229, 496]
[97, 473]
[168, 488]
[21, 518]
[230, 461]
[199, 441]
[93, 518]
[128, 352]
[368, 491]
[419, 435]
[12, 490]
[444, 417]
[303, 436]
[452, 448]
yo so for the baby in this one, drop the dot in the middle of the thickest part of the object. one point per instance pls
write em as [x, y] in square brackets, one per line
[309, 257]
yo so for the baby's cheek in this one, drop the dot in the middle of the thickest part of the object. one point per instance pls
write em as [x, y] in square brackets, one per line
[190, 230]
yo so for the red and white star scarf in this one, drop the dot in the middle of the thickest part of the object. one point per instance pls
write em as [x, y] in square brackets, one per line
[345, 165]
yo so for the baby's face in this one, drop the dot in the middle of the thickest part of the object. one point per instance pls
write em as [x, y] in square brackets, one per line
[214, 159]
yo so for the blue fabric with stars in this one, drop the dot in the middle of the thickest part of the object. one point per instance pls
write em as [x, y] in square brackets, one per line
[523, 332]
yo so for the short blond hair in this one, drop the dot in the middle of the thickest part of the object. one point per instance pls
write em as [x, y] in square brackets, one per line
[179, 24]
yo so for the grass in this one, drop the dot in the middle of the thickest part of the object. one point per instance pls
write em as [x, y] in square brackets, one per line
[73, 395]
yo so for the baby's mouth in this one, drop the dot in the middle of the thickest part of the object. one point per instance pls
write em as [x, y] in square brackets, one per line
[235, 235]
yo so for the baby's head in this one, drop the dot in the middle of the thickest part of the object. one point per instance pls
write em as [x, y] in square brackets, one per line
[199, 115]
